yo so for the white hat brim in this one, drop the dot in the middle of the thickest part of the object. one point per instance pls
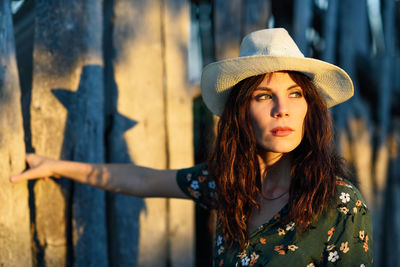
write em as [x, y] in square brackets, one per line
[333, 83]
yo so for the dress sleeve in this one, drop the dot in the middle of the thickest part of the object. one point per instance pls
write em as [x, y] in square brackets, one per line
[350, 238]
[196, 183]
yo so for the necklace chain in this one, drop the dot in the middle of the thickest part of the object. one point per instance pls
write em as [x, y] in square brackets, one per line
[275, 198]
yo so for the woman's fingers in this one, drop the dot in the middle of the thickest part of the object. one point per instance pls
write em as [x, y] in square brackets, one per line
[29, 174]
[38, 168]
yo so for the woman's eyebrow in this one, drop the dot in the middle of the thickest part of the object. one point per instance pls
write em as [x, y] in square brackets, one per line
[269, 89]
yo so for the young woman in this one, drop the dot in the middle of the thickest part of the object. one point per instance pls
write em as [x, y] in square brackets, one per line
[273, 176]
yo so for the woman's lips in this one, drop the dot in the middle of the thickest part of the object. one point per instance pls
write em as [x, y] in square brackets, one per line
[281, 131]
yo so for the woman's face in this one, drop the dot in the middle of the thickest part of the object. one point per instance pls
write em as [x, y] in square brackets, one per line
[277, 110]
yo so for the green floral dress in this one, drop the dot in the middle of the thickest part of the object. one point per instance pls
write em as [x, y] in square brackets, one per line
[340, 237]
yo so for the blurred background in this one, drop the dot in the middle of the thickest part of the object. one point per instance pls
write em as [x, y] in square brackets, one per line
[118, 81]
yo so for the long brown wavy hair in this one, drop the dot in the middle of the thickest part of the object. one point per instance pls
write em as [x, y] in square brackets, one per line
[234, 164]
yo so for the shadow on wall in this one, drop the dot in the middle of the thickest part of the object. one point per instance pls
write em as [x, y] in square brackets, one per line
[123, 212]
[97, 222]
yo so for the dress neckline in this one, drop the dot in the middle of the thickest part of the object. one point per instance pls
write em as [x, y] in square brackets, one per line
[282, 212]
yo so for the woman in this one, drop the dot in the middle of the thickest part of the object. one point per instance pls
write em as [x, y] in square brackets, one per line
[273, 175]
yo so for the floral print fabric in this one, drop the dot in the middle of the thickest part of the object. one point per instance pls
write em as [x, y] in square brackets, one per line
[340, 237]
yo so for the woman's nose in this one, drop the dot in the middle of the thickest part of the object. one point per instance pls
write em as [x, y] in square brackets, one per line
[281, 109]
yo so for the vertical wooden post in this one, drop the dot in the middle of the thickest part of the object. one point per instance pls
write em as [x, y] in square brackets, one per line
[353, 113]
[392, 203]
[386, 186]
[330, 29]
[138, 228]
[384, 97]
[67, 40]
[256, 14]
[206, 32]
[227, 28]
[88, 203]
[179, 116]
[352, 118]
[303, 14]
[15, 246]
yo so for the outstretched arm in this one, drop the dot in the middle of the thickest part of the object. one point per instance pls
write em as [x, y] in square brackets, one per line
[120, 178]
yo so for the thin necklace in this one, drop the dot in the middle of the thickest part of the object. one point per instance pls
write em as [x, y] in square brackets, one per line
[275, 198]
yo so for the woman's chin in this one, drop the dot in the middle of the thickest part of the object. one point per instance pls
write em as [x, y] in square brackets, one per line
[278, 148]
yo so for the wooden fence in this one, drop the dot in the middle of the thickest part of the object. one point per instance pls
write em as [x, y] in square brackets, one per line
[108, 81]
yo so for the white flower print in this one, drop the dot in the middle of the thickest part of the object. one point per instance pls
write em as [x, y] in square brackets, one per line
[220, 250]
[204, 172]
[245, 261]
[254, 256]
[362, 265]
[345, 197]
[333, 256]
[211, 185]
[281, 231]
[311, 265]
[220, 239]
[195, 185]
[290, 226]
[344, 210]
[361, 234]
[188, 176]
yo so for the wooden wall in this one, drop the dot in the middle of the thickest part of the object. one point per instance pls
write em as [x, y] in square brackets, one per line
[14, 211]
[103, 81]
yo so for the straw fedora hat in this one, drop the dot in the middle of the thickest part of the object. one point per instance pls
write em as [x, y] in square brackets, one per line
[271, 50]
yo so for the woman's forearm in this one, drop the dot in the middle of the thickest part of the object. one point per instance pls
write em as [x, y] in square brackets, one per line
[120, 178]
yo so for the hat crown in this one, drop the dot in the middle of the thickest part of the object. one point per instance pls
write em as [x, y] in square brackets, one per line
[269, 42]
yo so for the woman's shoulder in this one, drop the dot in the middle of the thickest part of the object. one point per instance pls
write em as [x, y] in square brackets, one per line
[349, 238]
[197, 184]
[347, 197]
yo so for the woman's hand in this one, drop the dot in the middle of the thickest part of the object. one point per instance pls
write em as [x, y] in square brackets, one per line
[39, 167]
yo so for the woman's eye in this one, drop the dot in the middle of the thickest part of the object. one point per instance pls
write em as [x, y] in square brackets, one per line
[263, 97]
[296, 94]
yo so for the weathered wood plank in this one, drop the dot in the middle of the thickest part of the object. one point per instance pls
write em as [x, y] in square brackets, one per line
[86, 120]
[256, 14]
[353, 116]
[303, 14]
[392, 204]
[206, 37]
[385, 96]
[64, 43]
[384, 172]
[89, 231]
[138, 227]
[15, 246]
[179, 126]
[227, 28]
[329, 31]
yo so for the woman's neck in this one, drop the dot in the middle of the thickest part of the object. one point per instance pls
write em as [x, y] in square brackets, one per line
[275, 169]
